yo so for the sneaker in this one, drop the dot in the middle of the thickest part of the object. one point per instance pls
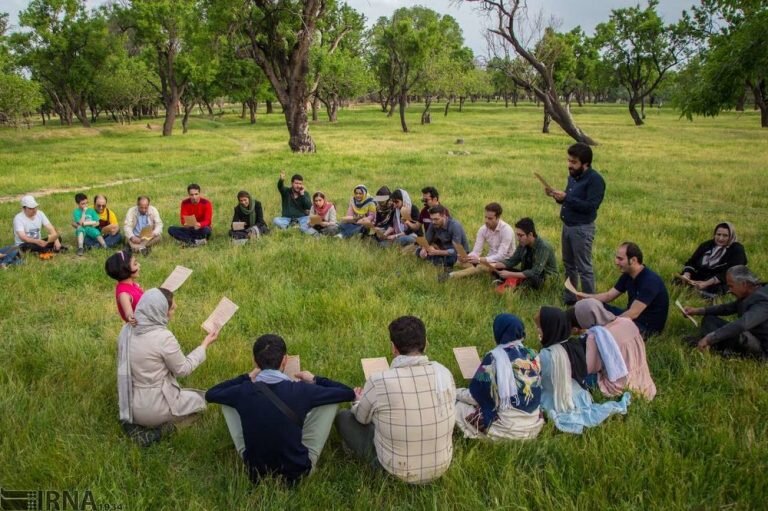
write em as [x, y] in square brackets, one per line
[80, 251]
[200, 243]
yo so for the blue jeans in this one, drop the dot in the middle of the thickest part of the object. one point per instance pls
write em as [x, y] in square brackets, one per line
[112, 240]
[446, 261]
[349, 230]
[188, 234]
[283, 222]
[400, 241]
[10, 255]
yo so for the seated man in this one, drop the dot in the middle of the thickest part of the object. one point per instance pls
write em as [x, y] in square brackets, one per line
[108, 224]
[9, 255]
[532, 262]
[442, 233]
[404, 417]
[647, 297]
[429, 197]
[143, 226]
[500, 238]
[249, 212]
[28, 227]
[279, 426]
[295, 204]
[746, 336]
[193, 232]
[403, 229]
[85, 220]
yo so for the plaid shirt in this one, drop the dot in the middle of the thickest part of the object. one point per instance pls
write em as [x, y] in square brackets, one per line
[413, 430]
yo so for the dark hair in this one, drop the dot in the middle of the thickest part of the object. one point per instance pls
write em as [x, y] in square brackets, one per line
[243, 193]
[79, 197]
[408, 334]
[142, 197]
[396, 195]
[97, 197]
[296, 177]
[582, 152]
[118, 265]
[495, 208]
[318, 194]
[570, 313]
[722, 225]
[526, 225]
[432, 191]
[439, 209]
[193, 186]
[633, 251]
[268, 351]
[168, 294]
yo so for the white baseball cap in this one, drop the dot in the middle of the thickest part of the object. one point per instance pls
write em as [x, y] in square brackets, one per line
[28, 202]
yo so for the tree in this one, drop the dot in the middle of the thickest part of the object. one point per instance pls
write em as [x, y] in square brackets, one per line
[734, 54]
[509, 15]
[18, 98]
[641, 49]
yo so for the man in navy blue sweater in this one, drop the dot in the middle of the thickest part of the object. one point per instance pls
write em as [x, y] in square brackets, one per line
[283, 437]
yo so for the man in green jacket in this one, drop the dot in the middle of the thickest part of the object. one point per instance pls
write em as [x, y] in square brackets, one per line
[295, 204]
[532, 261]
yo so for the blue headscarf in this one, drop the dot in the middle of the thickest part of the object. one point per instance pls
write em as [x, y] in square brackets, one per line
[508, 328]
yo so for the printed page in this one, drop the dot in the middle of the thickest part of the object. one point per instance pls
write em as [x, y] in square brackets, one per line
[177, 277]
[373, 366]
[220, 315]
[468, 360]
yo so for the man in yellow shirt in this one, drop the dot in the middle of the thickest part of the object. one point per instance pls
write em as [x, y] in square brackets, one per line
[110, 228]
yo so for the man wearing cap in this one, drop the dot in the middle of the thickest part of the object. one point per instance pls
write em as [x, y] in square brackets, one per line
[28, 227]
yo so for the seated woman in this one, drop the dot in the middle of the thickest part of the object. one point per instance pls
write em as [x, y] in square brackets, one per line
[323, 208]
[564, 396]
[361, 213]
[250, 213]
[149, 360]
[705, 270]
[503, 399]
[615, 351]
[124, 268]
[404, 225]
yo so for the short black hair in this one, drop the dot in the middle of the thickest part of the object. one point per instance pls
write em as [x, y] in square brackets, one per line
[439, 209]
[168, 294]
[633, 251]
[526, 225]
[582, 152]
[193, 186]
[432, 191]
[495, 208]
[296, 177]
[118, 265]
[268, 351]
[408, 334]
[79, 197]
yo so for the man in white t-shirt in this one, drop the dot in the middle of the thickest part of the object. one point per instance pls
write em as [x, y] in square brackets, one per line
[28, 229]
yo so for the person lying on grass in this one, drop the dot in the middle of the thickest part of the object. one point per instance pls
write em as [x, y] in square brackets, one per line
[279, 426]
[124, 268]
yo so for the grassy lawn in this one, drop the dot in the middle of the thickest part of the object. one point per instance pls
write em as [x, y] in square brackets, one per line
[701, 444]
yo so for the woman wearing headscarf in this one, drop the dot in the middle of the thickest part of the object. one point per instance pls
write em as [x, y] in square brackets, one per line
[361, 213]
[403, 226]
[615, 350]
[250, 213]
[326, 211]
[149, 360]
[503, 399]
[705, 270]
[563, 360]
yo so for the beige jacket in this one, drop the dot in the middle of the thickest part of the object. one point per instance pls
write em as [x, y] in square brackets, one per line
[131, 219]
[156, 360]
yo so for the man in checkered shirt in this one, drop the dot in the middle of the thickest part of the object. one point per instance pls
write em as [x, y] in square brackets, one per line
[403, 418]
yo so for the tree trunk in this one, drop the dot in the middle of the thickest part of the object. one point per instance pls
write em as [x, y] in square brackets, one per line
[403, 102]
[185, 120]
[761, 102]
[252, 110]
[297, 122]
[315, 106]
[42, 115]
[633, 111]
[270, 108]
[462, 99]
[547, 121]
[242, 112]
[506, 100]
[332, 109]
[426, 117]
[447, 104]
[642, 108]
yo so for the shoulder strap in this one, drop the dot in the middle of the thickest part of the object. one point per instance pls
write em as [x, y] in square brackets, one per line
[264, 389]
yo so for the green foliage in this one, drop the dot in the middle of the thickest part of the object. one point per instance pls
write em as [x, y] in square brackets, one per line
[18, 98]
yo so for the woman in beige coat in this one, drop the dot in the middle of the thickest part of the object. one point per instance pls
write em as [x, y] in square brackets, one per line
[150, 359]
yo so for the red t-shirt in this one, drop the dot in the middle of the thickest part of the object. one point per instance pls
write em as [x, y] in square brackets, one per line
[203, 211]
[134, 291]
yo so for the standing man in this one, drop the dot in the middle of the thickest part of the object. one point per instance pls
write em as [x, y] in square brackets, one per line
[295, 204]
[28, 228]
[647, 297]
[579, 204]
[108, 224]
[500, 238]
[143, 226]
[197, 232]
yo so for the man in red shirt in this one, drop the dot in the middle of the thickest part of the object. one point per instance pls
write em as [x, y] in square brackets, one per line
[197, 231]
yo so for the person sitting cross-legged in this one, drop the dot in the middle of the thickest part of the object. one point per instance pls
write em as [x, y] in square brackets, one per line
[442, 233]
[705, 269]
[85, 220]
[108, 224]
[747, 336]
[196, 216]
[500, 238]
[143, 226]
[404, 226]
[326, 210]
[295, 204]
[361, 213]
[531, 263]
[28, 227]
[249, 212]
[279, 426]
[403, 418]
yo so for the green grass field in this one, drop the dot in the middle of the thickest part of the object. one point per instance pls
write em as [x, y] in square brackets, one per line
[701, 444]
